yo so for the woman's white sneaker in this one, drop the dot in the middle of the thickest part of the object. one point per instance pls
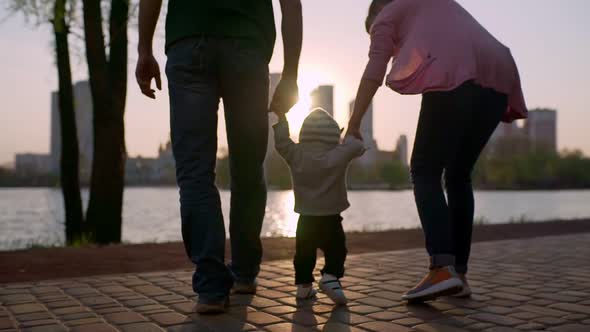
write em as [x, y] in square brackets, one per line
[331, 286]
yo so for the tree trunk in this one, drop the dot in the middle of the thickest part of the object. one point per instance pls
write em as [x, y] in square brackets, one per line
[69, 160]
[108, 81]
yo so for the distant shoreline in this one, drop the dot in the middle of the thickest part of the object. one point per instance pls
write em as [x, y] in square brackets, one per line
[69, 262]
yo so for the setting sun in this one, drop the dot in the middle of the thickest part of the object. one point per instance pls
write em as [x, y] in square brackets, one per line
[307, 82]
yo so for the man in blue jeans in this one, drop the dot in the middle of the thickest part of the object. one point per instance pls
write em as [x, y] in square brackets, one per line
[220, 50]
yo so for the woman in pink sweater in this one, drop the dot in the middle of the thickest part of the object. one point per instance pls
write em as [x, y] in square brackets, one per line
[469, 83]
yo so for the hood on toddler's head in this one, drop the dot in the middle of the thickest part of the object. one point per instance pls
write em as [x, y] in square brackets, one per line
[319, 126]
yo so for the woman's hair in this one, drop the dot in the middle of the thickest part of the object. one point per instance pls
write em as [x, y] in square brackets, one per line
[374, 9]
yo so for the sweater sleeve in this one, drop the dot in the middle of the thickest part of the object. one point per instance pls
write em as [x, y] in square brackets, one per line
[349, 149]
[283, 143]
[382, 46]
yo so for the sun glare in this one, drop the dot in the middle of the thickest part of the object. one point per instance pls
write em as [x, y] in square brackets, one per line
[307, 83]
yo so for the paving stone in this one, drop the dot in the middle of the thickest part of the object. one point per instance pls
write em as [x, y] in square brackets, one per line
[44, 290]
[69, 310]
[141, 327]
[38, 322]
[541, 302]
[258, 302]
[18, 309]
[281, 309]
[6, 323]
[543, 311]
[169, 318]
[572, 307]
[501, 329]
[110, 310]
[288, 327]
[497, 310]
[364, 309]
[152, 307]
[499, 302]
[188, 327]
[549, 320]
[61, 304]
[460, 321]
[377, 302]
[151, 290]
[557, 297]
[97, 327]
[96, 300]
[479, 326]
[379, 326]
[386, 315]
[575, 317]
[409, 321]
[530, 327]
[436, 327]
[305, 318]
[46, 328]
[125, 317]
[496, 319]
[570, 328]
[460, 312]
[78, 315]
[262, 318]
[139, 302]
[348, 318]
[525, 315]
[424, 312]
[33, 316]
[220, 322]
[81, 291]
[84, 321]
[114, 289]
[337, 327]
[184, 307]
[16, 298]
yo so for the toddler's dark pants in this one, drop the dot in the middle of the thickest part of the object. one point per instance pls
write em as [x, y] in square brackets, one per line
[325, 233]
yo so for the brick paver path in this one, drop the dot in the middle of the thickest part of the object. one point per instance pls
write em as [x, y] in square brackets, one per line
[519, 285]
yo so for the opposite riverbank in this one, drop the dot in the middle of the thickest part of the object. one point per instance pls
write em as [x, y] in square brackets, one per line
[52, 263]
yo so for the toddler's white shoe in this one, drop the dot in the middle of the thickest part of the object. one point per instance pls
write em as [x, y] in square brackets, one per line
[331, 286]
[305, 292]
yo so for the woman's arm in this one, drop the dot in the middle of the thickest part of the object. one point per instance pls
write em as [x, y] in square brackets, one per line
[380, 52]
[364, 95]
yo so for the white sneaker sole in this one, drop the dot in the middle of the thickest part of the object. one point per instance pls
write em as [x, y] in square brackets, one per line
[448, 287]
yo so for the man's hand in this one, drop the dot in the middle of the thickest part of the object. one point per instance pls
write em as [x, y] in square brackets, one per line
[285, 97]
[146, 70]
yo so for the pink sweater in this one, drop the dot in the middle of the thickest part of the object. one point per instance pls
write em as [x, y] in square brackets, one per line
[437, 45]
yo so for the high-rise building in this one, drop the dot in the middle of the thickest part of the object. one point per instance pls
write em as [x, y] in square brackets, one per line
[401, 150]
[323, 96]
[508, 139]
[541, 129]
[84, 127]
[370, 156]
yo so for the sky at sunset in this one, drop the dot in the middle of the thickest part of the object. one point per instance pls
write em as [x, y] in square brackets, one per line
[549, 39]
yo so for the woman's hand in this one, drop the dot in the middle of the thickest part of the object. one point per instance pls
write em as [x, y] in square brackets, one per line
[354, 129]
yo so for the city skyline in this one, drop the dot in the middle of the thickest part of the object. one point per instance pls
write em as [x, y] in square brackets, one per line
[334, 53]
